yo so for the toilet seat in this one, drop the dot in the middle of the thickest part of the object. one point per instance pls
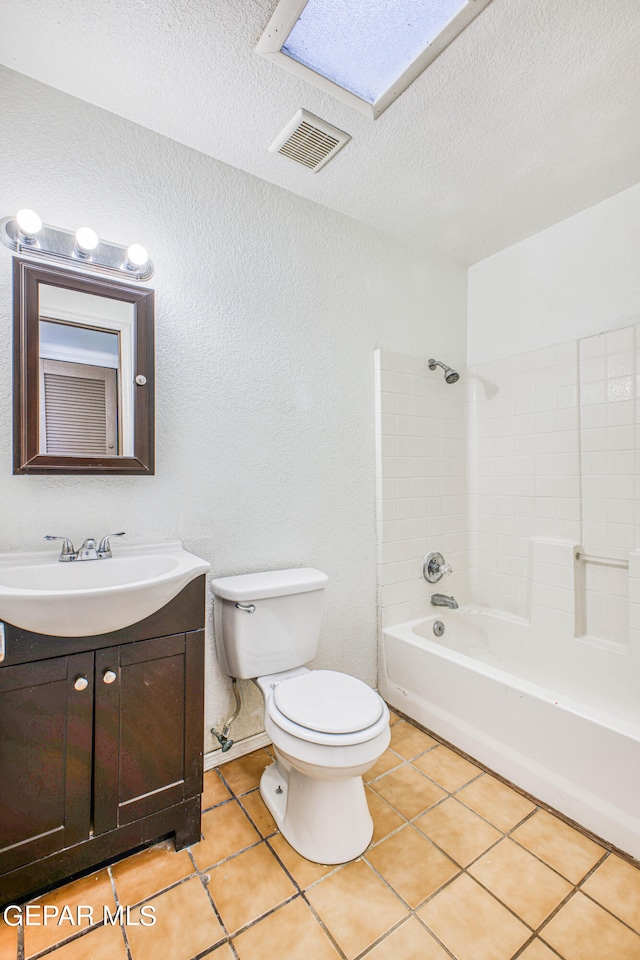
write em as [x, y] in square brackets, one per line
[327, 707]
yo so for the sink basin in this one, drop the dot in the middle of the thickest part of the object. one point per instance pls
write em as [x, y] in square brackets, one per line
[88, 597]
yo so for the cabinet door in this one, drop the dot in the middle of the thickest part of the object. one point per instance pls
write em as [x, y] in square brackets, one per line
[46, 733]
[148, 728]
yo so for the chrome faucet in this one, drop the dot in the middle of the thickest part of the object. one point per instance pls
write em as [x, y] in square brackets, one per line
[441, 600]
[89, 549]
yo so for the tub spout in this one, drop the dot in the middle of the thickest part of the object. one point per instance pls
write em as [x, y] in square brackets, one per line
[440, 600]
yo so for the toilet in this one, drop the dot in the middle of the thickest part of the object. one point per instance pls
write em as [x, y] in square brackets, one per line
[327, 728]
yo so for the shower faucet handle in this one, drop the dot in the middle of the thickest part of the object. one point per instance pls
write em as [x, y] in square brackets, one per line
[434, 567]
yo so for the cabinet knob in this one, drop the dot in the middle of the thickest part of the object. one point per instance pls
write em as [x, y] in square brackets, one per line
[81, 683]
[109, 676]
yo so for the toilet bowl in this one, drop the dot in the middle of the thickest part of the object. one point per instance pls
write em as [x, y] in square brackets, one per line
[314, 790]
[327, 728]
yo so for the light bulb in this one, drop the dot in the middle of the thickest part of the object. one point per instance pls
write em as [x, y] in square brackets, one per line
[29, 224]
[86, 240]
[137, 255]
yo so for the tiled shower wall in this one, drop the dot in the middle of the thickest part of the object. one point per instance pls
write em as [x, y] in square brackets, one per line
[421, 483]
[610, 458]
[524, 477]
[508, 472]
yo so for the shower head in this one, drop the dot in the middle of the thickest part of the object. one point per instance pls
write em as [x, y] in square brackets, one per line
[450, 375]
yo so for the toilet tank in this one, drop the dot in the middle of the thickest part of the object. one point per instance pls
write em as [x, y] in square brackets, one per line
[267, 622]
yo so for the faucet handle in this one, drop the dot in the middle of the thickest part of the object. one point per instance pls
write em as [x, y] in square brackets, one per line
[104, 550]
[434, 567]
[67, 551]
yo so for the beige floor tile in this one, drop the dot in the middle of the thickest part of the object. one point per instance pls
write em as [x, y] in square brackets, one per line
[408, 791]
[286, 934]
[93, 891]
[213, 789]
[257, 810]
[9, 938]
[244, 773]
[496, 802]
[385, 818]
[409, 941]
[616, 885]
[458, 831]
[393, 718]
[411, 865]
[185, 925]
[408, 741]
[537, 950]
[519, 880]
[383, 764]
[145, 874]
[582, 930]
[103, 943]
[226, 830]
[303, 871]
[248, 886]
[471, 924]
[356, 907]
[563, 848]
[447, 768]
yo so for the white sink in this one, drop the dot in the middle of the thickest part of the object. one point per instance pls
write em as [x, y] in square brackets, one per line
[87, 597]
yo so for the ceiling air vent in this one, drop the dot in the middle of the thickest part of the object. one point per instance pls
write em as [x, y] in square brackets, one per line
[310, 141]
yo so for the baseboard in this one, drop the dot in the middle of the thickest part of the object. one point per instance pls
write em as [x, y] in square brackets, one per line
[216, 758]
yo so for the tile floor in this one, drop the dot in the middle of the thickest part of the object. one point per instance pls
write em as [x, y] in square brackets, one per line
[460, 866]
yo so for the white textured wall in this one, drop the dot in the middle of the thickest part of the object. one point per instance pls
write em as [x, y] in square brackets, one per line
[269, 309]
[579, 277]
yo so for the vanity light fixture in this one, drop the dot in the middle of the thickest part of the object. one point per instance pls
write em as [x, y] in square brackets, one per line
[137, 256]
[86, 241]
[26, 234]
[29, 225]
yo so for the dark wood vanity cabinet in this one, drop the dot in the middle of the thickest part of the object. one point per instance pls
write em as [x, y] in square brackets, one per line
[100, 744]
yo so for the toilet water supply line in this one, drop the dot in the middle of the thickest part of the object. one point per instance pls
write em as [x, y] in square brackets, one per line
[223, 738]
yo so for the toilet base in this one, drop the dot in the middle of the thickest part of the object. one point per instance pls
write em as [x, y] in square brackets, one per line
[326, 821]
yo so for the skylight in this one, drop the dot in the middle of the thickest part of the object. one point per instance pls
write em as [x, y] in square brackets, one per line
[365, 47]
[366, 52]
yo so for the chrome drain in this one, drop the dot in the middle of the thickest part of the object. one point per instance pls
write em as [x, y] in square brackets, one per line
[438, 628]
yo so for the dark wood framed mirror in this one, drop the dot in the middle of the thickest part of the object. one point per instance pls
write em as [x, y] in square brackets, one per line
[83, 373]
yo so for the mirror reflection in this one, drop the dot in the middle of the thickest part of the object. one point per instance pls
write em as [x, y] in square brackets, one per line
[86, 374]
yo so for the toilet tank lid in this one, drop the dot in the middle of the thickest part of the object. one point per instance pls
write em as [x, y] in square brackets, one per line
[270, 583]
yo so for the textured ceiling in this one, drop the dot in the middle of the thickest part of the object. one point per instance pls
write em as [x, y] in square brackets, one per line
[528, 117]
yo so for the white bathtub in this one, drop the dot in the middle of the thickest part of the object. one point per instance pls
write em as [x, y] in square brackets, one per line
[470, 686]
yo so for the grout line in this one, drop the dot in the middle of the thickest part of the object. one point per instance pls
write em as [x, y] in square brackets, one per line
[263, 916]
[253, 823]
[435, 937]
[324, 927]
[123, 928]
[524, 946]
[20, 946]
[382, 937]
[77, 935]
